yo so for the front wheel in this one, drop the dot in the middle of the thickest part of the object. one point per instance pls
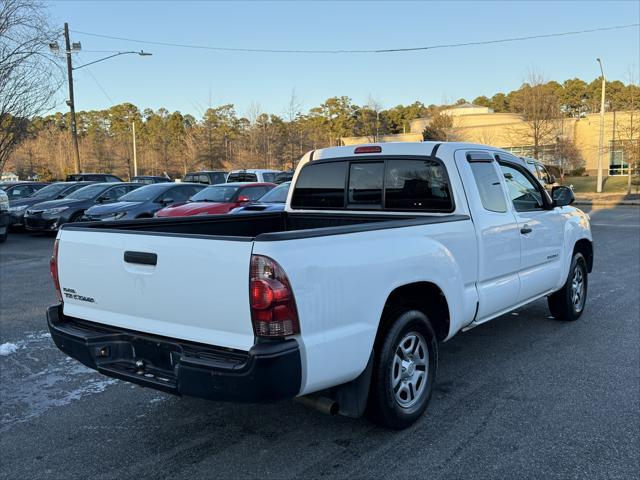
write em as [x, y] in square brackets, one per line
[568, 302]
[404, 370]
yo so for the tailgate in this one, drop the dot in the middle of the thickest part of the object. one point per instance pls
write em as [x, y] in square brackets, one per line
[198, 289]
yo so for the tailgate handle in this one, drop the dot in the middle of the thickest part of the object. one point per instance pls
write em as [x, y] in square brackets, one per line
[144, 258]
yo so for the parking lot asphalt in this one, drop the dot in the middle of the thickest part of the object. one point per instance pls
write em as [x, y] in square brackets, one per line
[523, 396]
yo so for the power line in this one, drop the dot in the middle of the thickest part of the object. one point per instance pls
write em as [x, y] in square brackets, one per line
[383, 50]
[98, 84]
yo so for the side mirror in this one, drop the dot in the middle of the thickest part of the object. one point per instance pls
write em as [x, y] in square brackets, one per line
[103, 199]
[167, 201]
[562, 196]
[243, 199]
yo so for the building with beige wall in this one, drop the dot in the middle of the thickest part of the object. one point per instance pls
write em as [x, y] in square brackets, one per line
[475, 124]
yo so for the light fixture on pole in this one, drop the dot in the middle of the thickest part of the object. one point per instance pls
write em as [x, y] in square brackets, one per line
[601, 141]
[69, 49]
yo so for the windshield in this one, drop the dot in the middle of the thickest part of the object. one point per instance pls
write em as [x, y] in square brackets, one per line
[215, 193]
[51, 190]
[85, 193]
[277, 195]
[144, 194]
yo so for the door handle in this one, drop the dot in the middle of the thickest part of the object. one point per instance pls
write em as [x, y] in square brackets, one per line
[526, 229]
[143, 258]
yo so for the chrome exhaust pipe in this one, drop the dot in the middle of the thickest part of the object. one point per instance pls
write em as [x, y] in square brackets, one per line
[322, 404]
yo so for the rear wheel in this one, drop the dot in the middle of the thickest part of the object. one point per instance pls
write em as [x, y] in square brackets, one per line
[568, 302]
[3, 236]
[404, 369]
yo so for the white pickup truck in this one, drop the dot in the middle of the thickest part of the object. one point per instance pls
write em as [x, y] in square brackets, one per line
[382, 252]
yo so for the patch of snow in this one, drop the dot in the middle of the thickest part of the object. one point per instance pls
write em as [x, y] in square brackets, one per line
[8, 349]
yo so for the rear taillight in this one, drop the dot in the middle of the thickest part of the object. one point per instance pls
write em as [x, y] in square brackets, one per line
[53, 267]
[273, 308]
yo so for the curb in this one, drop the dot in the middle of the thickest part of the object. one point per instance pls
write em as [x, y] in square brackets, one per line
[610, 203]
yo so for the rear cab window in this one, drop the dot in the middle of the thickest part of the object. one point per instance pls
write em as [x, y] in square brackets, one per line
[392, 184]
[242, 177]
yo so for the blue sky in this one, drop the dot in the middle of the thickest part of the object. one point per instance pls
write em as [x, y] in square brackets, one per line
[190, 80]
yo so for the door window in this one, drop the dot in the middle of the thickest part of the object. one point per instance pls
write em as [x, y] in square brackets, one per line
[253, 193]
[522, 190]
[489, 186]
[20, 192]
[115, 193]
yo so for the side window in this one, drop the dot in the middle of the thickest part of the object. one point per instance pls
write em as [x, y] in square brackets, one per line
[268, 177]
[320, 186]
[20, 192]
[189, 178]
[254, 193]
[204, 178]
[417, 185]
[179, 195]
[489, 186]
[524, 194]
[217, 178]
[115, 193]
[112, 178]
[365, 183]
[543, 175]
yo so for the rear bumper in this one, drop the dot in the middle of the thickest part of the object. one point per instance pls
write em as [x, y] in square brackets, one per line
[267, 373]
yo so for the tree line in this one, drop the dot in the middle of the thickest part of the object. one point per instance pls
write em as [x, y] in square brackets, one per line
[174, 143]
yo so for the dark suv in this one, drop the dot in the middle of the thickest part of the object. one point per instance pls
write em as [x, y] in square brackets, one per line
[92, 177]
[208, 177]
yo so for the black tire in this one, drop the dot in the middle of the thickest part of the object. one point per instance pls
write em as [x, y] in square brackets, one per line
[3, 237]
[76, 217]
[394, 407]
[563, 304]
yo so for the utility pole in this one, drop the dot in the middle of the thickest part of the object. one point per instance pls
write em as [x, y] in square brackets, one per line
[601, 142]
[71, 102]
[135, 156]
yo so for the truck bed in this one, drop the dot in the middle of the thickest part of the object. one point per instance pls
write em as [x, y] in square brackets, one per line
[269, 226]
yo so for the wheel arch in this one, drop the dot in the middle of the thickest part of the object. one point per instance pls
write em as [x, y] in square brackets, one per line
[425, 296]
[585, 247]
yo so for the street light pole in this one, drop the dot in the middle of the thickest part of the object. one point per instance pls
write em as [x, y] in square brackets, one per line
[69, 49]
[135, 153]
[601, 141]
[71, 101]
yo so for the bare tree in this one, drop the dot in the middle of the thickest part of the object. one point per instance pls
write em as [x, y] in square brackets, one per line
[540, 109]
[292, 115]
[629, 132]
[29, 77]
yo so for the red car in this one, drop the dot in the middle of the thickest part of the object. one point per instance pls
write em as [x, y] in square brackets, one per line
[218, 199]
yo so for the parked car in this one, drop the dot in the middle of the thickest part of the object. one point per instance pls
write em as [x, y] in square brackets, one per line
[272, 201]
[92, 177]
[284, 177]
[48, 216]
[54, 191]
[540, 171]
[18, 190]
[208, 177]
[4, 216]
[252, 175]
[382, 252]
[218, 199]
[150, 179]
[144, 202]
